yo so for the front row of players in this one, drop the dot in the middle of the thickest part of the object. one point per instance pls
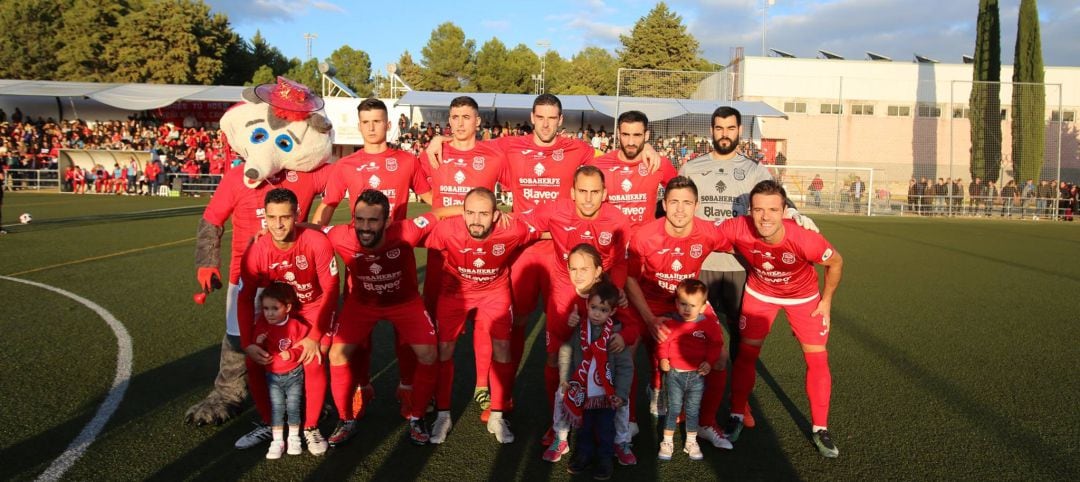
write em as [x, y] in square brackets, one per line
[293, 272]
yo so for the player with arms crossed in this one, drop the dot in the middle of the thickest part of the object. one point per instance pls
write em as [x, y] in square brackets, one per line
[304, 259]
[782, 257]
[476, 249]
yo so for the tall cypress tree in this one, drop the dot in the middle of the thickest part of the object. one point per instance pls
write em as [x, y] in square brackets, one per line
[1029, 100]
[985, 98]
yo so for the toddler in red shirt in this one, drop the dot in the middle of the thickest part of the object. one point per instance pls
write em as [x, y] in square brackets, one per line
[277, 332]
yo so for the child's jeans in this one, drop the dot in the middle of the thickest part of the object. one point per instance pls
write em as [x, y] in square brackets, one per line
[684, 389]
[596, 437]
[286, 396]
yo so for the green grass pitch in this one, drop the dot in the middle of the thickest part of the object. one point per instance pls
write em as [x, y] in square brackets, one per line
[954, 355]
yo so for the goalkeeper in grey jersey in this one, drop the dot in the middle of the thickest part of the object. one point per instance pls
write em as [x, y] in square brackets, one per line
[724, 179]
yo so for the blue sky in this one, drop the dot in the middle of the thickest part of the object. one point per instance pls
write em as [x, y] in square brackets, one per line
[940, 29]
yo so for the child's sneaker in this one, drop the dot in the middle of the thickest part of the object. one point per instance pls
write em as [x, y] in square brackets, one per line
[579, 465]
[293, 444]
[604, 469]
[556, 450]
[277, 447]
[666, 449]
[625, 454]
[692, 449]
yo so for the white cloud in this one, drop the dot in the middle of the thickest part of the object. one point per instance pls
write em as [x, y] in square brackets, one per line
[254, 11]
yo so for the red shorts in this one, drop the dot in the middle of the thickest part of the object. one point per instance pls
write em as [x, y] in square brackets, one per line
[491, 313]
[529, 275]
[410, 320]
[557, 313]
[756, 319]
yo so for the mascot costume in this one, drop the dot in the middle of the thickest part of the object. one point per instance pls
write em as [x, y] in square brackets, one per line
[284, 139]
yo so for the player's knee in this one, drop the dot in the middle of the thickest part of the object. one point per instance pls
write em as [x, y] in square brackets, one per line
[446, 350]
[425, 354]
[753, 341]
[500, 350]
[340, 353]
[812, 348]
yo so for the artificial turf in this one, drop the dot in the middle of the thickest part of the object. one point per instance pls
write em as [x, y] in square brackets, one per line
[953, 350]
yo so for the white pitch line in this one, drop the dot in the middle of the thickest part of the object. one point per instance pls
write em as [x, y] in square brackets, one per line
[116, 393]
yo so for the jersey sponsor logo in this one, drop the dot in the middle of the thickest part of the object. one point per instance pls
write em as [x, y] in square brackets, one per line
[605, 238]
[391, 164]
[587, 235]
[642, 169]
[374, 181]
[739, 174]
[478, 163]
[720, 186]
[663, 251]
[291, 176]
[826, 255]
[421, 222]
[676, 265]
[626, 185]
[465, 250]
[695, 251]
[569, 228]
[459, 177]
[375, 268]
[283, 265]
[498, 249]
[289, 276]
[767, 266]
[526, 152]
[301, 262]
[393, 253]
[677, 252]
[538, 169]
[479, 262]
[558, 155]
[787, 258]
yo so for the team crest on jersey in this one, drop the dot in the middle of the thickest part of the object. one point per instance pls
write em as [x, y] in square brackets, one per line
[768, 266]
[626, 185]
[698, 334]
[739, 174]
[291, 176]
[374, 181]
[391, 164]
[459, 177]
[676, 265]
[558, 154]
[393, 253]
[284, 344]
[289, 276]
[478, 163]
[498, 249]
[605, 238]
[642, 169]
[695, 251]
[539, 169]
[720, 186]
[421, 222]
[788, 258]
[375, 268]
[301, 262]
[826, 255]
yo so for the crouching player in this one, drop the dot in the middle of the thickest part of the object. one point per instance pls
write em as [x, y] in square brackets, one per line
[782, 257]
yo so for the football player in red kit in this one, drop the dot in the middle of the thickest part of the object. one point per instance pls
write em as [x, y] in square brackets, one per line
[304, 259]
[782, 276]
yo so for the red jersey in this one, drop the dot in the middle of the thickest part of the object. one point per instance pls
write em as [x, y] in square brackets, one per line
[245, 205]
[308, 266]
[478, 265]
[537, 175]
[461, 171]
[386, 275]
[691, 343]
[631, 187]
[392, 171]
[609, 232]
[659, 261]
[282, 338]
[784, 270]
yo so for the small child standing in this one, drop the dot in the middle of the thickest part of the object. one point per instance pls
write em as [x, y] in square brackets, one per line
[686, 356]
[277, 332]
[594, 383]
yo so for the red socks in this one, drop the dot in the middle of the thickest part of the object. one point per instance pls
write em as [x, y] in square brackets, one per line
[818, 386]
[715, 382]
[406, 359]
[342, 387]
[314, 392]
[502, 385]
[446, 384]
[743, 375]
[424, 379]
[361, 365]
[517, 343]
[482, 350]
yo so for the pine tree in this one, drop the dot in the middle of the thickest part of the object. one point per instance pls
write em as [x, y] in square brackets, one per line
[985, 100]
[28, 44]
[88, 26]
[353, 68]
[449, 59]
[659, 40]
[1029, 100]
[491, 63]
[409, 71]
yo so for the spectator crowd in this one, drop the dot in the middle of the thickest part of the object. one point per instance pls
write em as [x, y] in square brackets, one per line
[949, 197]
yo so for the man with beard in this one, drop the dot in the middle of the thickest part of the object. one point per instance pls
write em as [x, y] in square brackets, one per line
[724, 178]
[381, 270]
[304, 259]
[476, 284]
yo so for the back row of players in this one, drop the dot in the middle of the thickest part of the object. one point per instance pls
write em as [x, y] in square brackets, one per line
[495, 272]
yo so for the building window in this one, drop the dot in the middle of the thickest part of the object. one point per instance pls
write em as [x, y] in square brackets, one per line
[929, 110]
[1066, 116]
[795, 107]
[862, 109]
[961, 112]
[830, 109]
[899, 111]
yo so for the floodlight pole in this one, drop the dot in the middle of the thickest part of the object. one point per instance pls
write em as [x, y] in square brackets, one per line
[764, 24]
[309, 37]
[543, 64]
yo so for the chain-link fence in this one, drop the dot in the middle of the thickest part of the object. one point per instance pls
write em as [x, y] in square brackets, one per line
[679, 131]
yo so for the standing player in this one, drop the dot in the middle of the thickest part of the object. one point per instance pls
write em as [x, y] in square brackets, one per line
[476, 284]
[304, 259]
[393, 172]
[662, 254]
[782, 257]
[725, 178]
[464, 165]
[381, 271]
[584, 218]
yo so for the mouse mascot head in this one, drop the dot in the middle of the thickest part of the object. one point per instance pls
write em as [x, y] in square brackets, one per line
[280, 126]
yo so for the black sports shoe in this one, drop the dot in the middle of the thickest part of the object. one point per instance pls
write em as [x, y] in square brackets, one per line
[733, 429]
[825, 444]
[418, 432]
[578, 465]
[604, 468]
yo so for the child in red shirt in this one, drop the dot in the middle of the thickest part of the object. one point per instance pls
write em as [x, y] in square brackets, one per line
[277, 332]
